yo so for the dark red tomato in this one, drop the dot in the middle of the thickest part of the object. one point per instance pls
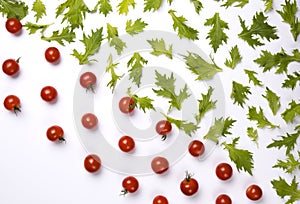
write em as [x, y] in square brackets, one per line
[159, 165]
[254, 192]
[52, 55]
[189, 186]
[12, 103]
[196, 148]
[223, 199]
[13, 25]
[126, 105]
[55, 134]
[130, 185]
[89, 120]
[49, 94]
[163, 127]
[224, 171]
[11, 67]
[159, 199]
[92, 163]
[126, 143]
[88, 80]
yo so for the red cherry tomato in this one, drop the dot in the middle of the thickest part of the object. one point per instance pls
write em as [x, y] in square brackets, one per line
[13, 25]
[130, 185]
[12, 103]
[163, 127]
[89, 120]
[55, 134]
[160, 199]
[159, 165]
[223, 199]
[11, 67]
[52, 55]
[254, 192]
[224, 171]
[88, 80]
[49, 94]
[92, 163]
[126, 143]
[126, 105]
[196, 148]
[189, 186]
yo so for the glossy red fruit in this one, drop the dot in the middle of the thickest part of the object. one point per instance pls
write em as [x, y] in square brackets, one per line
[223, 199]
[52, 55]
[130, 185]
[49, 94]
[126, 105]
[196, 148]
[189, 186]
[89, 120]
[224, 171]
[160, 199]
[55, 134]
[92, 163]
[13, 25]
[163, 127]
[126, 143]
[254, 192]
[159, 165]
[11, 67]
[88, 81]
[12, 103]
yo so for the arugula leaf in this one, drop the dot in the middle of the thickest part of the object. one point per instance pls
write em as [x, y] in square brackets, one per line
[159, 48]
[243, 159]
[167, 90]
[13, 9]
[183, 30]
[200, 67]
[216, 35]
[92, 44]
[141, 102]
[137, 63]
[188, 127]
[283, 189]
[259, 117]
[239, 93]
[73, 11]
[114, 77]
[235, 57]
[33, 28]
[220, 128]
[292, 80]
[114, 40]
[251, 75]
[104, 7]
[290, 165]
[238, 3]
[268, 5]
[253, 134]
[152, 5]
[289, 15]
[290, 113]
[259, 27]
[267, 60]
[67, 34]
[273, 100]
[39, 8]
[205, 104]
[197, 5]
[135, 27]
[123, 6]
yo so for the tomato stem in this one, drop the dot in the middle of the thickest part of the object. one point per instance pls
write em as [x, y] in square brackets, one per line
[61, 139]
[90, 87]
[124, 192]
[188, 176]
[17, 109]
[163, 137]
[18, 60]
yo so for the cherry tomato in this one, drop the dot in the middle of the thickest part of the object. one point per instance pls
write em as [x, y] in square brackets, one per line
[89, 120]
[55, 134]
[254, 192]
[160, 199]
[130, 185]
[189, 186]
[126, 143]
[92, 163]
[11, 67]
[223, 199]
[49, 94]
[88, 80]
[126, 105]
[13, 25]
[224, 171]
[52, 55]
[196, 148]
[159, 165]
[163, 127]
[12, 103]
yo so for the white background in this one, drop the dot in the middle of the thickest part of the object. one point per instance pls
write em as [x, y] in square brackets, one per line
[34, 170]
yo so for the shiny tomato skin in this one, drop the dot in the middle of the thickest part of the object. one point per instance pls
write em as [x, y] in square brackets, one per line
[223, 199]
[130, 185]
[92, 163]
[126, 105]
[224, 171]
[12, 103]
[55, 133]
[196, 148]
[88, 80]
[126, 143]
[89, 120]
[159, 165]
[52, 55]
[254, 192]
[160, 199]
[189, 186]
[11, 67]
[163, 127]
[49, 94]
[13, 25]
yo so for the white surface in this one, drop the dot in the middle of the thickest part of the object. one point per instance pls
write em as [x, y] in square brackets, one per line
[34, 170]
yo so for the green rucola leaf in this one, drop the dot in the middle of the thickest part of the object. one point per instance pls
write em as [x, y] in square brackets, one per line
[39, 8]
[110, 68]
[135, 27]
[239, 93]
[142, 103]
[290, 165]
[67, 35]
[268, 5]
[283, 189]
[260, 118]
[291, 112]
[253, 134]
[235, 57]
[273, 100]
[103, 6]
[205, 104]
[235, 3]
[197, 5]
[291, 81]
[136, 64]
[251, 75]
[13, 9]
[123, 6]
[33, 28]
[152, 5]
[159, 48]
[114, 40]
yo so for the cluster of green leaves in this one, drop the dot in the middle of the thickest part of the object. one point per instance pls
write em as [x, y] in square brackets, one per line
[114, 40]
[13, 9]
[291, 112]
[283, 189]
[136, 64]
[142, 103]
[260, 118]
[290, 165]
